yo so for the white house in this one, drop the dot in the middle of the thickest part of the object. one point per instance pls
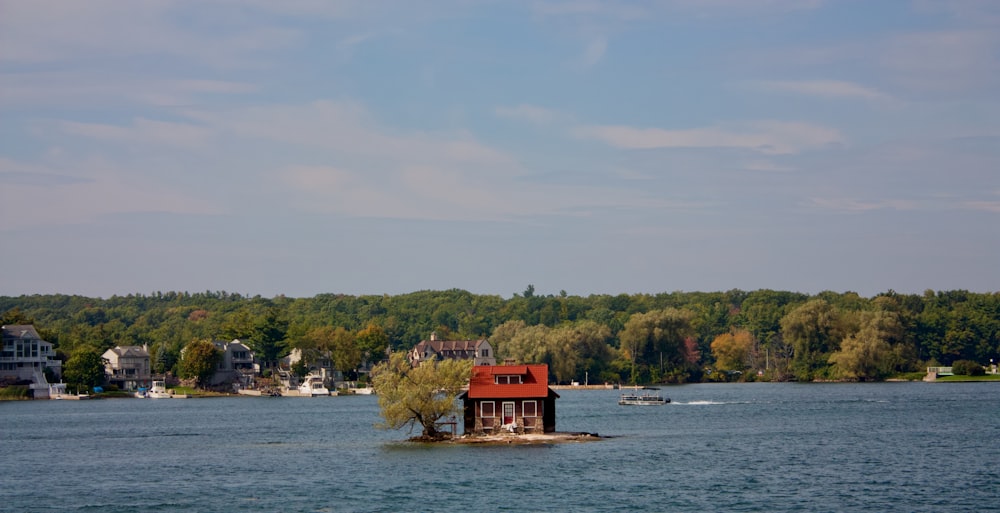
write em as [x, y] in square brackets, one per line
[24, 356]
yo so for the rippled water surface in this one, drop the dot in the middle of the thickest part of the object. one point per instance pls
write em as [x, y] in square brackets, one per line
[751, 447]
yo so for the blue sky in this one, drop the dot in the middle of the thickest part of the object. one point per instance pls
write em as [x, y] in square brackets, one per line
[306, 146]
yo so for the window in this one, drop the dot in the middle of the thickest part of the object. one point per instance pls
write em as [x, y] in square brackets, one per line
[487, 409]
[529, 409]
[507, 380]
[486, 353]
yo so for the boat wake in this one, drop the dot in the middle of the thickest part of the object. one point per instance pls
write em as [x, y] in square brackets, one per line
[707, 403]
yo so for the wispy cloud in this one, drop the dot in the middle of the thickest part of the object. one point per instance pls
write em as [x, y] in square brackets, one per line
[524, 112]
[986, 206]
[857, 205]
[592, 54]
[822, 88]
[141, 131]
[86, 88]
[768, 137]
[84, 190]
[946, 60]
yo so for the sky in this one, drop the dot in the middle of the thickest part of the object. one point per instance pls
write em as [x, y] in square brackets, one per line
[304, 147]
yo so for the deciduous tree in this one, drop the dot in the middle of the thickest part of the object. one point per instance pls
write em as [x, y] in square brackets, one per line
[373, 342]
[84, 370]
[418, 396]
[814, 331]
[733, 351]
[198, 361]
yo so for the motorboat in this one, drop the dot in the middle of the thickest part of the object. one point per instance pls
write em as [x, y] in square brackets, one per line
[364, 390]
[158, 390]
[313, 386]
[58, 391]
[642, 399]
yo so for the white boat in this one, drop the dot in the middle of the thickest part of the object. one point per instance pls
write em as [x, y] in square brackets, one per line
[58, 391]
[158, 390]
[364, 390]
[642, 399]
[312, 386]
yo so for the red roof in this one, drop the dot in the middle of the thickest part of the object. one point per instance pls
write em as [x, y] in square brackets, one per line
[534, 382]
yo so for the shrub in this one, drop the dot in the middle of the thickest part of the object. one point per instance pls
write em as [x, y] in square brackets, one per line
[967, 368]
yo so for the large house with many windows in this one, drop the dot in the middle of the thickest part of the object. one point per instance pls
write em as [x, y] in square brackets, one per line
[236, 365]
[479, 351]
[24, 357]
[127, 367]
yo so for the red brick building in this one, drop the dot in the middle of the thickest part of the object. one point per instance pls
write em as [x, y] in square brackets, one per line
[509, 397]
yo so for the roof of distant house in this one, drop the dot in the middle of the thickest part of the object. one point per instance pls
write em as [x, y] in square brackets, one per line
[450, 348]
[20, 331]
[130, 351]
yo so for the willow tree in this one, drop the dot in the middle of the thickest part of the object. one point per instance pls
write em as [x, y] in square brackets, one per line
[656, 342]
[411, 396]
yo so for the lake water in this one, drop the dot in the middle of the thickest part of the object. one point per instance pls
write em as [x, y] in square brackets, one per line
[716, 447]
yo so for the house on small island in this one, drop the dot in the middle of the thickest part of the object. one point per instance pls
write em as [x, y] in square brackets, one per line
[509, 397]
[479, 351]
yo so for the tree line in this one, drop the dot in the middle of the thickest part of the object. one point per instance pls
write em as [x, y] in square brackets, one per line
[638, 338]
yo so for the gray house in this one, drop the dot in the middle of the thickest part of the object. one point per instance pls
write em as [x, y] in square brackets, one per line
[236, 365]
[127, 367]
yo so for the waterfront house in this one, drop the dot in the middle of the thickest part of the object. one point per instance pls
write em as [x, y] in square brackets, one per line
[479, 351]
[127, 367]
[24, 357]
[318, 363]
[236, 364]
[514, 398]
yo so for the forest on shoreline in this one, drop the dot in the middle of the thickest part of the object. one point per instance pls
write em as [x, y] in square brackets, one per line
[673, 337]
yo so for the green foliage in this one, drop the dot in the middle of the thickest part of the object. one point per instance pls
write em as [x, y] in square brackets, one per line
[655, 345]
[734, 351]
[793, 340]
[84, 370]
[418, 396]
[267, 338]
[813, 330]
[372, 341]
[15, 393]
[199, 361]
[967, 368]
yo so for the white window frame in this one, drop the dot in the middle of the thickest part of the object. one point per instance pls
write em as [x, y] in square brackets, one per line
[493, 410]
[534, 407]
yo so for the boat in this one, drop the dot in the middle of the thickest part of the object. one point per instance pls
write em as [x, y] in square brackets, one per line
[312, 386]
[58, 391]
[642, 399]
[353, 388]
[364, 390]
[158, 390]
